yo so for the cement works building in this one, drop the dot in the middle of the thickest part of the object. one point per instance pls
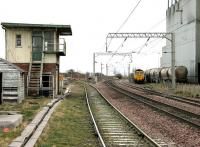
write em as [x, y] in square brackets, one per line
[183, 19]
[36, 48]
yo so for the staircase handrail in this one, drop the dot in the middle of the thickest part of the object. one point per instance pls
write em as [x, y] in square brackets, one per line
[29, 71]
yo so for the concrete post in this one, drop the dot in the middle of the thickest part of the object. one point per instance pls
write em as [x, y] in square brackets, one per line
[94, 65]
[106, 69]
[101, 69]
[129, 68]
[173, 61]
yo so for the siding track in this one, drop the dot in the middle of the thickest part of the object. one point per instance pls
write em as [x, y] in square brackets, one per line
[193, 102]
[182, 115]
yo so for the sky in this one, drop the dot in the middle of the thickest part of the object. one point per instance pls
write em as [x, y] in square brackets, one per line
[91, 21]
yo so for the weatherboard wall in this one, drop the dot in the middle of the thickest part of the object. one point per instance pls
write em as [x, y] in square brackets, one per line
[12, 83]
[23, 54]
[18, 54]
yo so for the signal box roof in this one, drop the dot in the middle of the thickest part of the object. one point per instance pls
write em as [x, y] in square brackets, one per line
[61, 29]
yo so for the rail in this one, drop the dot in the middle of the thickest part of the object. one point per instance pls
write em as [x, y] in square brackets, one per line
[173, 97]
[93, 120]
[183, 115]
[146, 138]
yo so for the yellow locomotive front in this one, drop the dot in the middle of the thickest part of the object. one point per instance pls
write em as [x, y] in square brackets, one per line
[139, 76]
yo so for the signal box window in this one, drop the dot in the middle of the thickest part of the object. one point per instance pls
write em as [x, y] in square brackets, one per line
[18, 40]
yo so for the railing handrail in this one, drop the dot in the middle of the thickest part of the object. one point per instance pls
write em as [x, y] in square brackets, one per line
[57, 49]
[41, 70]
[29, 71]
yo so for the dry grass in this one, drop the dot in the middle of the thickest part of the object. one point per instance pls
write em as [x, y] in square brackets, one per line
[28, 108]
[187, 90]
[70, 124]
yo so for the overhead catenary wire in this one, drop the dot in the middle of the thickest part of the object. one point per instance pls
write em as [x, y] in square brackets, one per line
[125, 21]
[152, 46]
[156, 24]
[121, 45]
[145, 44]
[148, 40]
[152, 27]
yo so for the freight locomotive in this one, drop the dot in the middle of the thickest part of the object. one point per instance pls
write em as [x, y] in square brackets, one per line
[165, 74]
[139, 76]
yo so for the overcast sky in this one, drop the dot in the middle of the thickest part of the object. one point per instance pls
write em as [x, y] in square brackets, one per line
[91, 21]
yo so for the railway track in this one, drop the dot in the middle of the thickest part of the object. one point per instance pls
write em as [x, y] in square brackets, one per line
[173, 97]
[112, 127]
[183, 115]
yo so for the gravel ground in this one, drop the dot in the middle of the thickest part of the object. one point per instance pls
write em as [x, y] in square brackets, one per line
[184, 106]
[155, 124]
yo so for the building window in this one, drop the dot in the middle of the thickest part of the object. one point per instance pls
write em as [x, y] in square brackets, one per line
[18, 40]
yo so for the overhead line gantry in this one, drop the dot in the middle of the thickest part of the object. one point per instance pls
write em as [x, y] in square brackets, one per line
[169, 36]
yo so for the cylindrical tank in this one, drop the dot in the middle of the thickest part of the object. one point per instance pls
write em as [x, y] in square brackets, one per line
[131, 77]
[152, 75]
[147, 75]
[164, 73]
[180, 72]
[157, 74]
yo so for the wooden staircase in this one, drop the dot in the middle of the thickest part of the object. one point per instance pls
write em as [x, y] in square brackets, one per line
[34, 80]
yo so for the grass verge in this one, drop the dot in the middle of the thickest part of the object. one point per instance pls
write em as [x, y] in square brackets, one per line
[70, 124]
[28, 108]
